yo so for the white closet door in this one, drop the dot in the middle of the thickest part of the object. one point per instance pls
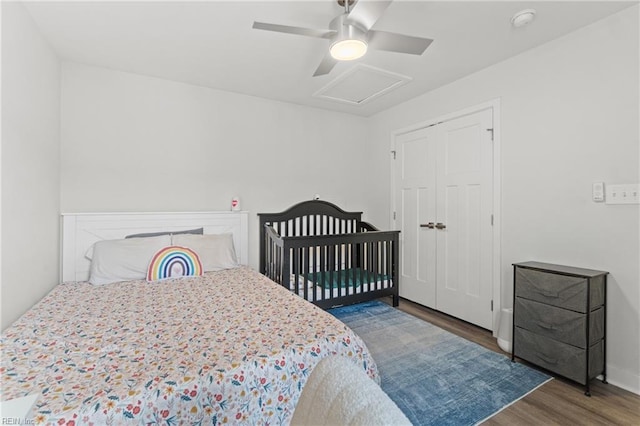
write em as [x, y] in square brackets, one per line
[464, 209]
[415, 200]
[443, 200]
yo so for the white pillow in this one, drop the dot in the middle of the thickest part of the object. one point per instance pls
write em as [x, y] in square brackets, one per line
[124, 260]
[216, 251]
[89, 253]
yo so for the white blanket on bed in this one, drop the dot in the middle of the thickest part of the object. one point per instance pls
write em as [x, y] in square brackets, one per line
[340, 393]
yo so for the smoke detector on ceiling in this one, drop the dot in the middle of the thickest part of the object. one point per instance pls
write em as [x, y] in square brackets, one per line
[522, 18]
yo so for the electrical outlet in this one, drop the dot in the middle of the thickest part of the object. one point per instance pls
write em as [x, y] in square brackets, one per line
[623, 194]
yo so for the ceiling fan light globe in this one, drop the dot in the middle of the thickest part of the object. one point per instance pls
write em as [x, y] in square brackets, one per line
[348, 50]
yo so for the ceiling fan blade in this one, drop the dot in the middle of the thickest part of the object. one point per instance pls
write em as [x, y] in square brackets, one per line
[326, 65]
[394, 42]
[366, 12]
[310, 32]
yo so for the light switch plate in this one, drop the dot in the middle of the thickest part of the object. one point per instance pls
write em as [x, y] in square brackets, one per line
[628, 193]
[598, 192]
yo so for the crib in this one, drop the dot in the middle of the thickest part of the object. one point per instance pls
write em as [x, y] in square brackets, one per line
[329, 256]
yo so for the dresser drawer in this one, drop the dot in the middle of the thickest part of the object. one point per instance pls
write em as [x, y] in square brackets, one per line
[560, 358]
[559, 324]
[563, 291]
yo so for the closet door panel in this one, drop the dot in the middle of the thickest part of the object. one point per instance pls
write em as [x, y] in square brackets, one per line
[415, 209]
[464, 248]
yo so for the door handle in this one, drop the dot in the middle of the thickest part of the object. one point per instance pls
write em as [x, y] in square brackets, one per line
[429, 225]
[440, 225]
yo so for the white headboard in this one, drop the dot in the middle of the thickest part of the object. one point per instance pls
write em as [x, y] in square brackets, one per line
[81, 230]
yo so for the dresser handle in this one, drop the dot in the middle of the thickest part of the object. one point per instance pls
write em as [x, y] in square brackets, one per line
[429, 225]
[554, 294]
[547, 360]
[546, 326]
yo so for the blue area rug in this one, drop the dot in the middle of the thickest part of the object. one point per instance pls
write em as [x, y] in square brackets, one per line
[435, 377]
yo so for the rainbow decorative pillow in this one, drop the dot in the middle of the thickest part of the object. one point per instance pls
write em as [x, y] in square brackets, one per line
[174, 262]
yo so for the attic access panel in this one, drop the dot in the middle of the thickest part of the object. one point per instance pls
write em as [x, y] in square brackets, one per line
[361, 84]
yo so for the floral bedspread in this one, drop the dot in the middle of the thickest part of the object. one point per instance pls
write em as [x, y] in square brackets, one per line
[227, 347]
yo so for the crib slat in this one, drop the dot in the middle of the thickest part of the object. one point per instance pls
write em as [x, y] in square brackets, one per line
[386, 257]
[375, 262]
[371, 277]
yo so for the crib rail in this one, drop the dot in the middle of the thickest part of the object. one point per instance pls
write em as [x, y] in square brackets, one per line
[272, 257]
[327, 255]
[332, 270]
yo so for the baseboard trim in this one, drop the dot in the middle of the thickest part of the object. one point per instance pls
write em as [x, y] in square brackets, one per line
[623, 379]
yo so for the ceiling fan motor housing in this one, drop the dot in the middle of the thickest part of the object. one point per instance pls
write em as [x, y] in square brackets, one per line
[345, 29]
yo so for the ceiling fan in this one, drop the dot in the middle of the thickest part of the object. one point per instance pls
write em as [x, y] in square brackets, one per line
[351, 35]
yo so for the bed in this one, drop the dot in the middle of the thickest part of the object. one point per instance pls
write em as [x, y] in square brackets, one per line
[228, 346]
[328, 256]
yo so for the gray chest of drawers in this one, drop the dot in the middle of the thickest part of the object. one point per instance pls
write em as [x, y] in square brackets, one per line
[559, 319]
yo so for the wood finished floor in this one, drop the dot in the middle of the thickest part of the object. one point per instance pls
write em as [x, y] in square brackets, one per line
[557, 402]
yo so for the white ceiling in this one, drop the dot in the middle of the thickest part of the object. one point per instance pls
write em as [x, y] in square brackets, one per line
[212, 43]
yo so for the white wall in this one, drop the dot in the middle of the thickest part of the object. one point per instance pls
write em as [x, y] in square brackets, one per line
[30, 163]
[570, 117]
[136, 143]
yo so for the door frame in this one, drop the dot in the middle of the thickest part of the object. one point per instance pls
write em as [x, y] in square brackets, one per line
[496, 272]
